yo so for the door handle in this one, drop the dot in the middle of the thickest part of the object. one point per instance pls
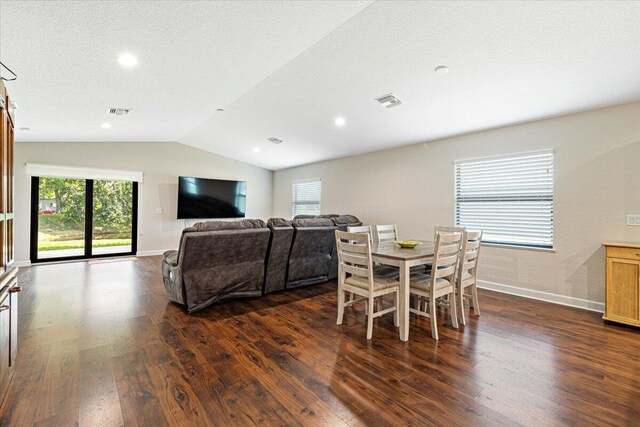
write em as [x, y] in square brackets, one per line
[4, 307]
[15, 289]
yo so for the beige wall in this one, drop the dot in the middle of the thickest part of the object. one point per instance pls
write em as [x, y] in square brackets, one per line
[597, 182]
[161, 164]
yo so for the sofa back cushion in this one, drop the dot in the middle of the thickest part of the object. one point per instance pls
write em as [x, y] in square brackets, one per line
[227, 225]
[216, 265]
[344, 221]
[310, 258]
[312, 222]
[278, 254]
[278, 222]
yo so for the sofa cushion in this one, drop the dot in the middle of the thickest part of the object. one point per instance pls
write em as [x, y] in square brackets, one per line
[278, 222]
[228, 225]
[346, 220]
[312, 222]
[305, 216]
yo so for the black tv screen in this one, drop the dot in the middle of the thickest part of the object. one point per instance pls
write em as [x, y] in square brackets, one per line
[211, 198]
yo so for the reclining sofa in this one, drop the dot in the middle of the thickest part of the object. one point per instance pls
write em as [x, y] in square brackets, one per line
[218, 260]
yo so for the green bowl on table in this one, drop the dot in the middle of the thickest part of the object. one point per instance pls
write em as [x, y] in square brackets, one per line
[408, 244]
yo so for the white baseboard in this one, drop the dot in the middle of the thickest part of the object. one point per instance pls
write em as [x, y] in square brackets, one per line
[151, 253]
[140, 254]
[543, 296]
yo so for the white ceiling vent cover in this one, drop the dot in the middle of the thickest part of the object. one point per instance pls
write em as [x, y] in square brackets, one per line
[119, 111]
[274, 140]
[389, 101]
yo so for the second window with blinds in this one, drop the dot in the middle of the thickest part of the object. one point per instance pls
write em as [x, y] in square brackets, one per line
[510, 198]
[306, 197]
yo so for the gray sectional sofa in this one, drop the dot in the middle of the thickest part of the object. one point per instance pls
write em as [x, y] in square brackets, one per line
[218, 260]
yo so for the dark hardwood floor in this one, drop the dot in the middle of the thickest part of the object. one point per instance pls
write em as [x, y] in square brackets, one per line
[101, 345]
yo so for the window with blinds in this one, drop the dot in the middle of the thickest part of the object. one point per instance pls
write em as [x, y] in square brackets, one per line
[306, 197]
[510, 198]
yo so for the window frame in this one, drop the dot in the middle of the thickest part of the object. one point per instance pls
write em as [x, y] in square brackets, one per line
[88, 224]
[504, 244]
[293, 201]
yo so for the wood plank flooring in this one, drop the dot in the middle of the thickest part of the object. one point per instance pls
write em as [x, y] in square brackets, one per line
[101, 345]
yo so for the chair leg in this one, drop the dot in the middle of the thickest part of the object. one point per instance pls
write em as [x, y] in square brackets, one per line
[474, 297]
[340, 306]
[453, 309]
[352, 296]
[460, 300]
[370, 318]
[432, 314]
[396, 313]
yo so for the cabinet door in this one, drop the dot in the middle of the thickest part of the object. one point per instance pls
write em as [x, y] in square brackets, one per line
[4, 344]
[13, 323]
[623, 290]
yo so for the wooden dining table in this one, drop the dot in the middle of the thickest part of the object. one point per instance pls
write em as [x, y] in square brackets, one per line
[391, 254]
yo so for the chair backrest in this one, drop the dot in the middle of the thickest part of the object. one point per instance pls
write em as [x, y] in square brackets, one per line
[446, 229]
[469, 253]
[386, 233]
[354, 256]
[359, 229]
[445, 257]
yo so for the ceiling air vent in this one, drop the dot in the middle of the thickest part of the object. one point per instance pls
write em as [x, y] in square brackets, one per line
[119, 111]
[389, 101]
[274, 140]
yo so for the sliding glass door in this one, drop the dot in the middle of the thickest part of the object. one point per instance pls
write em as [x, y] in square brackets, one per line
[112, 230]
[82, 218]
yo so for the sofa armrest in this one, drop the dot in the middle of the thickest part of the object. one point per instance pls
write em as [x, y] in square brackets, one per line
[172, 277]
[171, 258]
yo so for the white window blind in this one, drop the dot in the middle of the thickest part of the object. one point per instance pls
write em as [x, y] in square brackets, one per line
[306, 197]
[510, 198]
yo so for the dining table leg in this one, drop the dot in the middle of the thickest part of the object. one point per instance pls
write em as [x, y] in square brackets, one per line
[404, 301]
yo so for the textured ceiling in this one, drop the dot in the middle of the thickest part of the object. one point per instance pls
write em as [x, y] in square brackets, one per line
[288, 69]
[194, 57]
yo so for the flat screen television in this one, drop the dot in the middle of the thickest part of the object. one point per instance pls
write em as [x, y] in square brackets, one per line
[211, 198]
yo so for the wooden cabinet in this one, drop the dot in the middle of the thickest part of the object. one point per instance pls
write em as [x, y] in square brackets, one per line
[8, 283]
[622, 296]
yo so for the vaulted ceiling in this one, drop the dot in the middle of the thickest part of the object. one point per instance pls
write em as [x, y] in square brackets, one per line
[288, 69]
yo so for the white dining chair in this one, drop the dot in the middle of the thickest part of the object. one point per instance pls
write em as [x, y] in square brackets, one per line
[440, 282]
[386, 233]
[359, 229]
[467, 276]
[355, 275]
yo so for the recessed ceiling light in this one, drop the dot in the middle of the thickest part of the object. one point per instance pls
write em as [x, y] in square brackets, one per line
[106, 126]
[256, 149]
[442, 70]
[340, 122]
[127, 60]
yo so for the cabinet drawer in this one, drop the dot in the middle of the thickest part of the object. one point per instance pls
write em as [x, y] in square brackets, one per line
[624, 253]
